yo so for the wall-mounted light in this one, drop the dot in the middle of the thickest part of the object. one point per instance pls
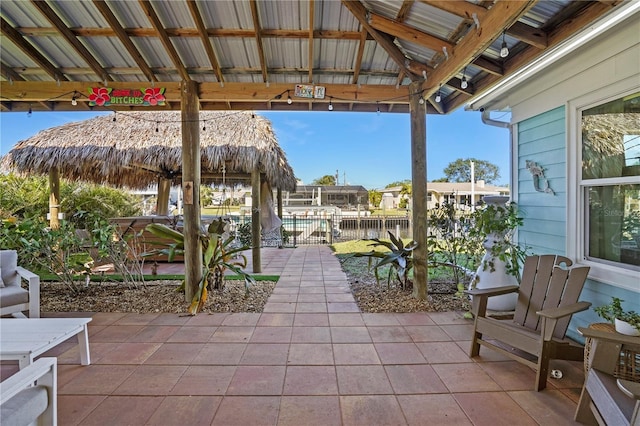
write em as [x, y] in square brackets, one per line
[504, 50]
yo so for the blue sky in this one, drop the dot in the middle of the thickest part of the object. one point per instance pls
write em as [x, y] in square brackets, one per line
[371, 149]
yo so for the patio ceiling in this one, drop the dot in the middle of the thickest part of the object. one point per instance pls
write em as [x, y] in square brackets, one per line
[250, 54]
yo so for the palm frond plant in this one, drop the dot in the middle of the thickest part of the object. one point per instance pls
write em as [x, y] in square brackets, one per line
[399, 258]
[218, 254]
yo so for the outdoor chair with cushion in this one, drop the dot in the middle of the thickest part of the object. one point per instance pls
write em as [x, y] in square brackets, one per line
[23, 403]
[611, 390]
[547, 297]
[14, 299]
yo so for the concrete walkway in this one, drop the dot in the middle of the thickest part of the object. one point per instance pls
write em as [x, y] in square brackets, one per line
[311, 358]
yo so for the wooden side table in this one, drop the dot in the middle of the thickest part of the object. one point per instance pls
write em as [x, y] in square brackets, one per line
[628, 366]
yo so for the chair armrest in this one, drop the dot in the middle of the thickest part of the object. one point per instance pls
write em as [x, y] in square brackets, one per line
[43, 368]
[34, 291]
[631, 389]
[609, 336]
[563, 311]
[493, 291]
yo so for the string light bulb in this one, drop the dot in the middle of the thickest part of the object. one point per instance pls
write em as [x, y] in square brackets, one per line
[289, 100]
[464, 83]
[30, 111]
[438, 95]
[114, 117]
[74, 101]
[377, 108]
[157, 127]
[330, 105]
[504, 50]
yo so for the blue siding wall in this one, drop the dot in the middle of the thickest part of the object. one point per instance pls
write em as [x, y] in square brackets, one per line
[542, 139]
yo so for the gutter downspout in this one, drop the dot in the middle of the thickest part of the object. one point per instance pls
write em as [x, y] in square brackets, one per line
[490, 122]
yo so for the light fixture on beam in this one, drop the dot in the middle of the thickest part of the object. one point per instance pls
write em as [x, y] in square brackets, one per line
[464, 83]
[504, 50]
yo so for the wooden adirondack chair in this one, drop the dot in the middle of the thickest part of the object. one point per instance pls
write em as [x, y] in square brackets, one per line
[547, 297]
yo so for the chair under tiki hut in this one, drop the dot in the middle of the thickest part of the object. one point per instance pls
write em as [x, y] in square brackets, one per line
[139, 149]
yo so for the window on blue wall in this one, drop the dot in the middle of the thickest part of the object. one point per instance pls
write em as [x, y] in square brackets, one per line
[610, 171]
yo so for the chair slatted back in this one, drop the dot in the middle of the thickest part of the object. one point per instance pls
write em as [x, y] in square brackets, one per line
[546, 284]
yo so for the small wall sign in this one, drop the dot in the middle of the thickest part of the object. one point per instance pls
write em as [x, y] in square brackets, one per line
[107, 96]
[309, 91]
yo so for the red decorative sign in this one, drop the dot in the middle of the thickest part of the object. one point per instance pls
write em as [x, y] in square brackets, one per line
[106, 96]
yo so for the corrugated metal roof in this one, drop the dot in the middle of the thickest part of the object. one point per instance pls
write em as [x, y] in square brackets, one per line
[283, 37]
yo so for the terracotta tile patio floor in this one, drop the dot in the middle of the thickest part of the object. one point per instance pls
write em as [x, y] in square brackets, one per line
[311, 358]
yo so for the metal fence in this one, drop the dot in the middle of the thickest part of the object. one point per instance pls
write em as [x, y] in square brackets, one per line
[335, 228]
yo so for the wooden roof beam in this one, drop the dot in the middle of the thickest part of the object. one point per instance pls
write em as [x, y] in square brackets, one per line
[404, 10]
[258, 35]
[530, 53]
[68, 35]
[462, 9]
[164, 38]
[359, 55]
[488, 66]
[193, 32]
[108, 15]
[500, 16]
[9, 74]
[411, 67]
[532, 36]
[204, 37]
[311, 28]
[405, 32]
[17, 39]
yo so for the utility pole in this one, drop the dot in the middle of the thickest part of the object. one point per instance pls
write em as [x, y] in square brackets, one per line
[473, 187]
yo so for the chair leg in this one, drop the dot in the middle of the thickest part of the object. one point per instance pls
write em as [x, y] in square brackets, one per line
[543, 367]
[583, 410]
[475, 346]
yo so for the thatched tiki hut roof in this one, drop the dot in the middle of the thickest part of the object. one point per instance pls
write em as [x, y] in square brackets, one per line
[139, 147]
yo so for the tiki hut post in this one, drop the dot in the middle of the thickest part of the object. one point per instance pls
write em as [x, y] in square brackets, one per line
[419, 187]
[255, 220]
[54, 197]
[191, 175]
[162, 203]
[279, 200]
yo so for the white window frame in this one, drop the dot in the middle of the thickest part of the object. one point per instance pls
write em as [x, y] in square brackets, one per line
[576, 203]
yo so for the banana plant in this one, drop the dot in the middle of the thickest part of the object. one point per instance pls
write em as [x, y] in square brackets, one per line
[399, 258]
[218, 255]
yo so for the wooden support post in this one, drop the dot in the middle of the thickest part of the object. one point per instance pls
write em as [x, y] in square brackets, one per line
[54, 198]
[419, 187]
[256, 239]
[279, 200]
[190, 107]
[162, 203]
